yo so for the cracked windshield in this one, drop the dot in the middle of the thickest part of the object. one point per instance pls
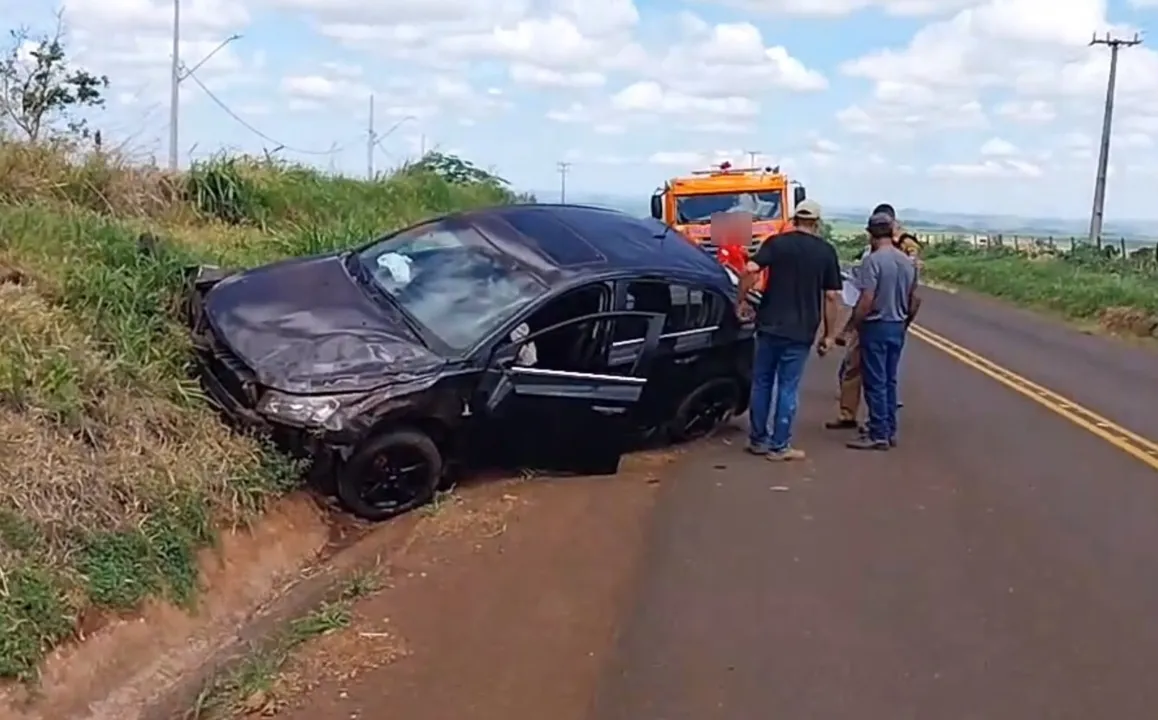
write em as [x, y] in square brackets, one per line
[700, 208]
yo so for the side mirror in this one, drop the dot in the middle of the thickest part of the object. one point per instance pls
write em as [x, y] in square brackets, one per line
[657, 206]
[799, 195]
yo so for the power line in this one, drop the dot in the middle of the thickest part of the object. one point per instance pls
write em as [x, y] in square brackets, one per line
[564, 168]
[371, 141]
[245, 124]
[1098, 212]
[175, 86]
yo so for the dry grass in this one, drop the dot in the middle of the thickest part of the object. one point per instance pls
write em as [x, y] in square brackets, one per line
[114, 470]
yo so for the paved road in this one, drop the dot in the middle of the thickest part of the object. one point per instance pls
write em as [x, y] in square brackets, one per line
[1002, 564]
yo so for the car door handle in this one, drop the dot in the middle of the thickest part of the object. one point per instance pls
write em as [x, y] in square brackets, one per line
[608, 409]
[686, 360]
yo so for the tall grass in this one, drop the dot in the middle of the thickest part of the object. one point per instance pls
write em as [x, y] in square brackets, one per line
[114, 469]
[1083, 284]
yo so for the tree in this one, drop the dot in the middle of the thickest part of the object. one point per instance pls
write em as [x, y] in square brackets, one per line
[826, 231]
[39, 90]
[456, 171]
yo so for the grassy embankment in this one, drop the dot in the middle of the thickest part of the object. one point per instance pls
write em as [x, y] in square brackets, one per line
[1120, 294]
[114, 471]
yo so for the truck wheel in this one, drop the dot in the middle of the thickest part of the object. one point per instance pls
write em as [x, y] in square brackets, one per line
[704, 409]
[390, 474]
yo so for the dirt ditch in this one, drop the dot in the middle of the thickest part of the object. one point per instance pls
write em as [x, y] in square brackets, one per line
[158, 661]
[151, 653]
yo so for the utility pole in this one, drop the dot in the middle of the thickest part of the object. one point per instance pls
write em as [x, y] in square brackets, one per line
[371, 140]
[564, 168]
[1098, 213]
[175, 85]
[752, 155]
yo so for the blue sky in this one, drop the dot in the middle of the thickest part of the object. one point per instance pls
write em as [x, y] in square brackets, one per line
[988, 106]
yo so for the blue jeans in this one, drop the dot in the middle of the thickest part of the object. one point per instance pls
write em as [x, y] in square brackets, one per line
[881, 344]
[779, 366]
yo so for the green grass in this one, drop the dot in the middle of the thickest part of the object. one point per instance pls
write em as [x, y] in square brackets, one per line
[1082, 285]
[115, 471]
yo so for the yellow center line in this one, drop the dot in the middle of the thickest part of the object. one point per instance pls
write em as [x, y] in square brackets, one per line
[1123, 439]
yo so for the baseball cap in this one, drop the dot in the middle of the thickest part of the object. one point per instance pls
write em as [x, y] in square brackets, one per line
[807, 210]
[885, 209]
[880, 224]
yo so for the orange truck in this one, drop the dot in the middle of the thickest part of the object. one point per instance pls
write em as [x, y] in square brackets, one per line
[688, 203]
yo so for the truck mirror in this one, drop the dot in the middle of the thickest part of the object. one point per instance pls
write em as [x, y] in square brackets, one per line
[657, 206]
[799, 195]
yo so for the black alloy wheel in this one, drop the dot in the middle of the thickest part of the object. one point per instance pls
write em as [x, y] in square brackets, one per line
[704, 409]
[390, 475]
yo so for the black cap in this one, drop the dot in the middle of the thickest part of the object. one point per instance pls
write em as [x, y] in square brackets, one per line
[885, 209]
[880, 225]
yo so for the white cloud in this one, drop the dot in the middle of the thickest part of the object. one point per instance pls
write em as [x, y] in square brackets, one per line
[1034, 52]
[652, 98]
[730, 59]
[996, 147]
[1031, 112]
[837, 8]
[1008, 168]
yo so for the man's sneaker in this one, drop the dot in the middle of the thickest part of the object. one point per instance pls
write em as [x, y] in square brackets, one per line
[841, 424]
[756, 449]
[786, 455]
[865, 443]
[893, 441]
[900, 404]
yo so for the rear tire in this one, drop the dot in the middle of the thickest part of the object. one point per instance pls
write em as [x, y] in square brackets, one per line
[390, 475]
[704, 409]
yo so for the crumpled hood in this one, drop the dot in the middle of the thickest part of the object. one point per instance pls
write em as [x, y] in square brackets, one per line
[305, 326]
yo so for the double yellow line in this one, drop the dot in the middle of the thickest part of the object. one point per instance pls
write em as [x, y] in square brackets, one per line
[1125, 440]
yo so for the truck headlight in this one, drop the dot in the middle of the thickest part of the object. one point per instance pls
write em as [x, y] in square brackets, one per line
[298, 409]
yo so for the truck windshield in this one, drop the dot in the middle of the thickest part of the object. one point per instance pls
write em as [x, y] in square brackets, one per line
[765, 205]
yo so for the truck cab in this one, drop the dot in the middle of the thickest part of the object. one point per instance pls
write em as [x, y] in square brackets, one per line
[688, 203]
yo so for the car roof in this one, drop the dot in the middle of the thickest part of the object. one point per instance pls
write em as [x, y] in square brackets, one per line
[571, 241]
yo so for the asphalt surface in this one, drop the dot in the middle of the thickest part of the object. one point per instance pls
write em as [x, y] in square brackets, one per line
[1002, 563]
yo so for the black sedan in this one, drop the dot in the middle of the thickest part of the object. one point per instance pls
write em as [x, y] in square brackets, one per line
[552, 336]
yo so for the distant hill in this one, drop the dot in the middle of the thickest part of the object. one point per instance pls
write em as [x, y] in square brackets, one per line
[920, 220]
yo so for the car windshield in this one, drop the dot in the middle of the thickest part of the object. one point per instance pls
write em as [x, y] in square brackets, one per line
[451, 280]
[700, 208]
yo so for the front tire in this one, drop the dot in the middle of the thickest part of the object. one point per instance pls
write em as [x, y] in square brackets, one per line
[390, 475]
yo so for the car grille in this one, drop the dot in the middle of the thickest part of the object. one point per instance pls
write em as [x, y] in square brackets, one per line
[231, 374]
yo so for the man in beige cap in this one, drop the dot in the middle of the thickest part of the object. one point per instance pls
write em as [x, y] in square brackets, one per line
[803, 289]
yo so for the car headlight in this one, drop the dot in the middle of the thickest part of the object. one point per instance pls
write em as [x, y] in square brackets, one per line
[298, 409]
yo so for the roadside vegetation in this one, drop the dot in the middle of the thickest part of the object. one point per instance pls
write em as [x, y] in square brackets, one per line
[114, 470]
[1117, 291]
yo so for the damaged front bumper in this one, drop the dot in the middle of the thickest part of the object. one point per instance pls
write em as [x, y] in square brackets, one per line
[231, 386]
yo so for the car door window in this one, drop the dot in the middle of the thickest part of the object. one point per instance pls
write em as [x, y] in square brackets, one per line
[687, 307]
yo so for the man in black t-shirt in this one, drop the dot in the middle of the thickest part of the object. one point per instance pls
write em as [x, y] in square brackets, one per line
[803, 289]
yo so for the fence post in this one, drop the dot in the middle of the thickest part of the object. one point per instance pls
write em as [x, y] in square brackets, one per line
[1122, 241]
[1073, 244]
[1052, 246]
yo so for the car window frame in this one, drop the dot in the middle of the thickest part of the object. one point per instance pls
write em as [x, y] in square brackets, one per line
[691, 285]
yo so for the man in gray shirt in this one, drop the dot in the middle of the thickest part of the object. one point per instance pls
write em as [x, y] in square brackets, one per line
[888, 303]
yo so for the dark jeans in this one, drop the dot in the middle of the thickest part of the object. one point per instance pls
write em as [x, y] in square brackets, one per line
[881, 344]
[779, 366]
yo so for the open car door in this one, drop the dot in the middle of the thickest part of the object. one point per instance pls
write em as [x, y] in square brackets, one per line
[574, 421]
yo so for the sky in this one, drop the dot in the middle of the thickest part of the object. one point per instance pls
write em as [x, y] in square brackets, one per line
[976, 106]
